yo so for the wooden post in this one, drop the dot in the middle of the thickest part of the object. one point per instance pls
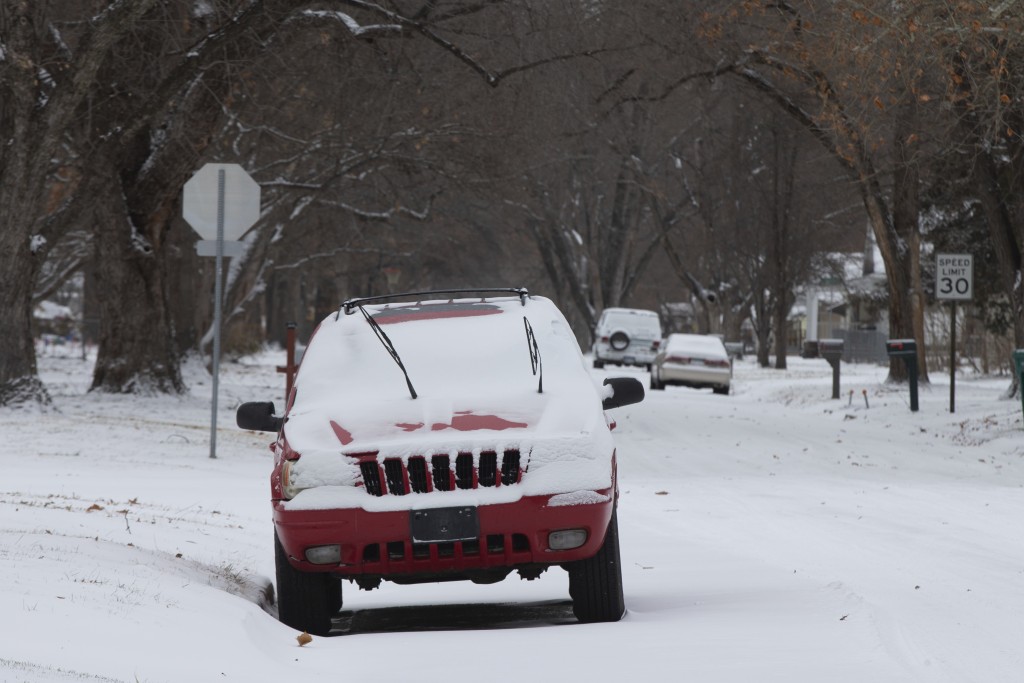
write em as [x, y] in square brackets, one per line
[289, 367]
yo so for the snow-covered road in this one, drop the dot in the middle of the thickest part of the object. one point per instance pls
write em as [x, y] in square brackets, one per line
[771, 535]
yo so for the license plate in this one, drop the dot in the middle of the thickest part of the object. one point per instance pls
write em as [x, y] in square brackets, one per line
[629, 360]
[439, 525]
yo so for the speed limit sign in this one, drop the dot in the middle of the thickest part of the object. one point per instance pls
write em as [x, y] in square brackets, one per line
[954, 277]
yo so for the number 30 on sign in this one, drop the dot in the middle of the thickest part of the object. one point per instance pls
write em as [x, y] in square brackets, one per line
[954, 277]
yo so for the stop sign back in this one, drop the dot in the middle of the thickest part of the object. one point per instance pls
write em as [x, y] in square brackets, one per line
[241, 201]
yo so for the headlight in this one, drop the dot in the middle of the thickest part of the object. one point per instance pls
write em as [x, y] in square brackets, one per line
[288, 489]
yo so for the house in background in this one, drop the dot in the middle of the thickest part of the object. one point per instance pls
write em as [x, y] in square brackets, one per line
[846, 299]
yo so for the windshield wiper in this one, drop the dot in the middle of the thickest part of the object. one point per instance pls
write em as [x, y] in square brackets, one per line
[535, 361]
[348, 305]
[389, 346]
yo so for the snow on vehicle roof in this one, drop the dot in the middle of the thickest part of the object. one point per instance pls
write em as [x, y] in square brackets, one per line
[470, 365]
[695, 343]
[631, 317]
[631, 311]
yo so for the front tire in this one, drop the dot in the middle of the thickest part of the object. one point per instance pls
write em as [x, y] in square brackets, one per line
[595, 584]
[306, 601]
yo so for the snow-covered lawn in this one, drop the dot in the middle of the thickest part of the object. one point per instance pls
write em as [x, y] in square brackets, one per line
[770, 535]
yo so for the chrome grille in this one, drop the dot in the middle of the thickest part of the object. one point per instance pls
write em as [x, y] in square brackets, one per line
[420, 474]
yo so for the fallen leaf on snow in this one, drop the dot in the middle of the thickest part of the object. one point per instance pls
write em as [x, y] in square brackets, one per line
[93, 507]
[304, 638]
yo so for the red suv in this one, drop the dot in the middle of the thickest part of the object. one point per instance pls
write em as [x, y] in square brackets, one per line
[432, 439]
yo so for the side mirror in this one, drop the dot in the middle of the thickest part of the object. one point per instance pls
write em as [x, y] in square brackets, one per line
[258, 416]
[625, 391]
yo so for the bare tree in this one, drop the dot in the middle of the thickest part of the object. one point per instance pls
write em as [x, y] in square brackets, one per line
[848, 73]
[46, 77]
[90, 113]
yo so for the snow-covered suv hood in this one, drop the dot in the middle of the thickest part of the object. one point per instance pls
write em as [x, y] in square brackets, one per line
[470, 364]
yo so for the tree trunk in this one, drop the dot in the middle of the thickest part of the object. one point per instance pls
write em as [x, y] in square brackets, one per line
[897, 270]
[782, 258]
[136, 351]
[733, 315]
[763, 336]
[905, 216]
[280, 307]
[22, 252]
[190, 306]
[19, 381]
[23, 162]
[613, 241]
[562, 266]
[780, 314]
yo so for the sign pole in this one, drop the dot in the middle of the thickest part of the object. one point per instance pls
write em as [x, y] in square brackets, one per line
[220, 217]
[952, 358]
[954, 281]
[217, 296]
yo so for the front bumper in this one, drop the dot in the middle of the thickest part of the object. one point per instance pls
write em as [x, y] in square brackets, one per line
[380, 544]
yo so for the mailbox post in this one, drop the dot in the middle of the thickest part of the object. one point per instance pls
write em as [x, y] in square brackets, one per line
[832, 351]
[907, 350]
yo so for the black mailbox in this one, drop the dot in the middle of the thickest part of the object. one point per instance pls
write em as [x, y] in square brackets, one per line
[830, 349]
[901, 348]
[810, 349]
[907, 350]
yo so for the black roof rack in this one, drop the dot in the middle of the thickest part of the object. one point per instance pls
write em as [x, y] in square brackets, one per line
[350, 304]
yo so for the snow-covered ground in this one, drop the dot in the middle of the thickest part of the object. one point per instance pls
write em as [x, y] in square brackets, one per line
[770, 535]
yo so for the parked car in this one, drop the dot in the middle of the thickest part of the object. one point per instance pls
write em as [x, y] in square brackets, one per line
[626, 336]
[443, 439]
[692, 360]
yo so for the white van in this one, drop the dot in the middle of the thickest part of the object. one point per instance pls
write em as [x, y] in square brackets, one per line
[626, 336]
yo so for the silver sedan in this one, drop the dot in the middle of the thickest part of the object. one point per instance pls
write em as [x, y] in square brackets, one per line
[692, 360]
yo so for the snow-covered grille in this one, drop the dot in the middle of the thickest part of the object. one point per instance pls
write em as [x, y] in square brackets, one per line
[420, 474]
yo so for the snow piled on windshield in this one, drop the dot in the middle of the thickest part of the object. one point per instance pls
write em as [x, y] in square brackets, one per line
[470, 365]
